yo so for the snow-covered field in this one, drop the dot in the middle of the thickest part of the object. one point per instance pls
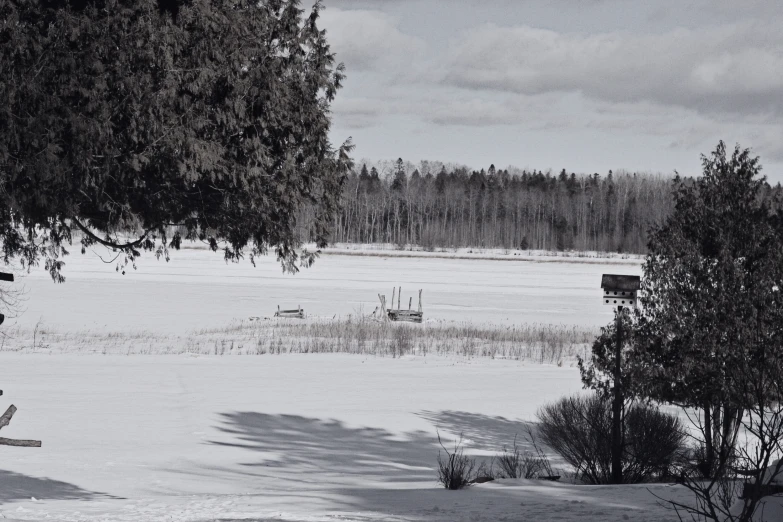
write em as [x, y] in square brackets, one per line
[197, 289]
[291, 438]
[297, 437]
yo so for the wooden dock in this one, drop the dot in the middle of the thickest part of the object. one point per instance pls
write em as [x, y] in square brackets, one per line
[293, 314]
[399, 314]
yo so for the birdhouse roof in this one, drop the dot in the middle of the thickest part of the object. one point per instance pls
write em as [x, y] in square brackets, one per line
[620, 282]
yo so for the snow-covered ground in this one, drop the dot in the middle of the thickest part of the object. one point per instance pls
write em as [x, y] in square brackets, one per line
[197, 289]
[284, 438]
[296, 437]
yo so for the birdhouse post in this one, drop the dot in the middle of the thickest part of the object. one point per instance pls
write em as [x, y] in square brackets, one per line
[618, 291]
[4, 276]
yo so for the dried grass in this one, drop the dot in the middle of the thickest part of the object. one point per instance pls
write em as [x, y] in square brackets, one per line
[541, 343]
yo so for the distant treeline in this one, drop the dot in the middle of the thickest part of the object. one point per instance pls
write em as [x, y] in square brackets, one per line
[440, 205]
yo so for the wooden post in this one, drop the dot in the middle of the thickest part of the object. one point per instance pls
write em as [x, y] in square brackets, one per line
[410, 302]
[617, 404]
[399, 296]
[419, 300]
[383, 306]
[394, 293]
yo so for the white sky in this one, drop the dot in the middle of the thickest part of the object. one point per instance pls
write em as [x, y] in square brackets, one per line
[585, 85]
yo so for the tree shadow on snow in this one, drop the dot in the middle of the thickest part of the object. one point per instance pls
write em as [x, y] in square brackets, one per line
[481, 432]
[311, 450]
[15, 486]
[329, 465]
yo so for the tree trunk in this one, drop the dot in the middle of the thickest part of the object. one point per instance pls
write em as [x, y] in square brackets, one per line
[709, 449]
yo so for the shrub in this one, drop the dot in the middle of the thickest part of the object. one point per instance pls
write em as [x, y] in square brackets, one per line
[654, 440]
[486, 472]
[514, 463]
[455, 470]
[579, 428]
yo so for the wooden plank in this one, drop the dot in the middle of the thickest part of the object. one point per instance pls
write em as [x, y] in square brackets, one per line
[297, 313]
[406, 315]
[5, 276]
[21, 443]
[6, 418]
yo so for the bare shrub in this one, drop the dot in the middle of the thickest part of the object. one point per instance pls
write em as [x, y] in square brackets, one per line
[455, 470]
[579, 429]
[515, 463]
[486, 472]
[748, 467]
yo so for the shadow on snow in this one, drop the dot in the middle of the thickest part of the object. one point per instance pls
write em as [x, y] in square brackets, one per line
[313, 449]
[481, 432]
[371, 469]
[15, 486]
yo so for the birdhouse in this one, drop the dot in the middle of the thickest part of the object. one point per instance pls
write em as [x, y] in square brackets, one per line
[619, 290]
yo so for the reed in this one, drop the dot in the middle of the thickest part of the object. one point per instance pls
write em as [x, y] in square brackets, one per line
[541, 343]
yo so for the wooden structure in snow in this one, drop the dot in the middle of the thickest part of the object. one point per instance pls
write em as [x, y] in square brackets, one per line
[5, 418]
[295, 314]
[398, 314]
[4, 276]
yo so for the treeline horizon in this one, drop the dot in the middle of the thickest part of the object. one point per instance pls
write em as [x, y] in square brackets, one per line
[439, 205]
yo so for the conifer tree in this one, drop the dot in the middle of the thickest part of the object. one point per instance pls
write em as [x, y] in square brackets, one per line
[711, 307]
[140, 124]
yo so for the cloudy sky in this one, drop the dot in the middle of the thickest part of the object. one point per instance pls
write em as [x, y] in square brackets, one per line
[586, 85]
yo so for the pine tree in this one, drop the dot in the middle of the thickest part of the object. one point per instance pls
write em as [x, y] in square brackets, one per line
[400, 180]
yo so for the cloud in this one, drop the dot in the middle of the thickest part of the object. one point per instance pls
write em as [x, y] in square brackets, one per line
[735, 69]
[674, 88]
[367, 40]
[357, 112]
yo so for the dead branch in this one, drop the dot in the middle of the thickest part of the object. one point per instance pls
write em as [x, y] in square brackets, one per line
[20, 442]
[6, 418]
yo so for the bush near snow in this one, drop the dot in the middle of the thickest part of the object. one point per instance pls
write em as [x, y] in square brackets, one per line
[455, 470]
[579, 428]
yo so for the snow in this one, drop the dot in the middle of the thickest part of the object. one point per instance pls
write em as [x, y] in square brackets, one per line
[292, 437]
[295, 437]
[197, 289]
